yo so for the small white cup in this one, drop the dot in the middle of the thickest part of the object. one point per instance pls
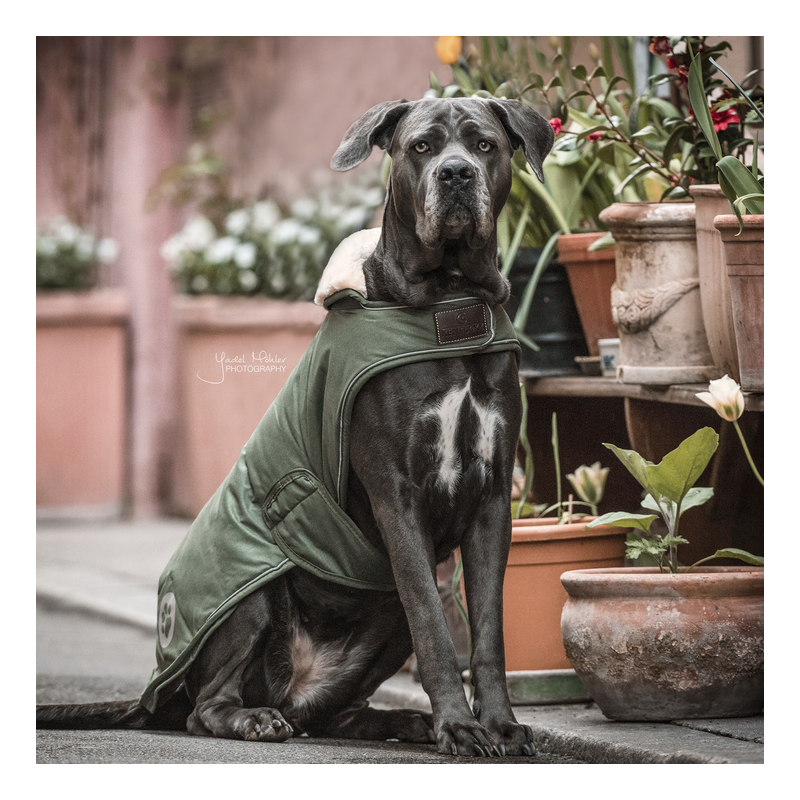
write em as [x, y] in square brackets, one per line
[609, 356]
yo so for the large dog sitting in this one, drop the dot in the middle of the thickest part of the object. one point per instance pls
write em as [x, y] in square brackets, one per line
[309, 578]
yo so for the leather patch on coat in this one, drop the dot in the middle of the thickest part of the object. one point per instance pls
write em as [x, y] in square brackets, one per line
[461, 324]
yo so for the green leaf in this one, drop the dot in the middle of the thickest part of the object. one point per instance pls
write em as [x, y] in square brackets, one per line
[623, 519]
[740, 182]
[603, 243]
[679, 470]
[598, 72]
[697, 97]
[633, 462]
[734, 552]
[579, 72]
[696, 496]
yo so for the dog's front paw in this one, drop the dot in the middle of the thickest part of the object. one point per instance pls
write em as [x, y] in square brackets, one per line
[511, 738]
[262, 725]
[465, 739]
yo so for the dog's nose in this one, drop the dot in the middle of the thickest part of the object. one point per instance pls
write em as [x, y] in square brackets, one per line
[455, 172]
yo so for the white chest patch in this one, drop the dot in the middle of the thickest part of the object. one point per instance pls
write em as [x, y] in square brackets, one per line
[448, 413]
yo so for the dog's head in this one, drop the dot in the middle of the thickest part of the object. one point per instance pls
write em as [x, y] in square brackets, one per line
[450, 177]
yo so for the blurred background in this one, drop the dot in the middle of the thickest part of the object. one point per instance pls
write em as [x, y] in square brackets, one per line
[152, 367]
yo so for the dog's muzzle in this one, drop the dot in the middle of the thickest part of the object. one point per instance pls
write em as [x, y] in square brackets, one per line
[456, 205]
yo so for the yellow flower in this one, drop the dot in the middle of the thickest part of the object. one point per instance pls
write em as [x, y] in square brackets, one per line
[448, 49]
[725, 397]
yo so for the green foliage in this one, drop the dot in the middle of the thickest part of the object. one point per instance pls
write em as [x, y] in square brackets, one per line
[670, 493]
[742, 186]
[67, 256]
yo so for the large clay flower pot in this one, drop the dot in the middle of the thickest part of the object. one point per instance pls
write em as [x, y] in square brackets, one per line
[591, 275]
[652, 646]
[541, 550]
[656, 296]
[744, 257]
[715, 293]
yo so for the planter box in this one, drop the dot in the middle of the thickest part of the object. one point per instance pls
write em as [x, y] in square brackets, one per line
[744, 257]
[533, 595]
[715, 292]
[81, 384]
[234, 355]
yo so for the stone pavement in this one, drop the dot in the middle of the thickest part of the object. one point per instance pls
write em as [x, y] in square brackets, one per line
[110, 570]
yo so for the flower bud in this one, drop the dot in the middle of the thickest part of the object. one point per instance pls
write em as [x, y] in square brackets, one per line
[589, 482]
[448, 49]
[725, 397]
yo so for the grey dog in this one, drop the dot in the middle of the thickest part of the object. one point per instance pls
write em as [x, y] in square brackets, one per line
[431, 455]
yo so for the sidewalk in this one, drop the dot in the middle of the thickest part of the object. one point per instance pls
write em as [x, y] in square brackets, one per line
[111, 570]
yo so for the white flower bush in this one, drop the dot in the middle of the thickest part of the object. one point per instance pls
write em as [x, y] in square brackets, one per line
[67, 255]
[261, 249]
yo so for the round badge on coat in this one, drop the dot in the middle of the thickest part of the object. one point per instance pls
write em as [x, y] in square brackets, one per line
[166, 619]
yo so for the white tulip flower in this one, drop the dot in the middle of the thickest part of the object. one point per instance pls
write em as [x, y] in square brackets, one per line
[725, 397]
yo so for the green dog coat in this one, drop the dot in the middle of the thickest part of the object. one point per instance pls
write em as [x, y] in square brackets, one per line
[283, 503]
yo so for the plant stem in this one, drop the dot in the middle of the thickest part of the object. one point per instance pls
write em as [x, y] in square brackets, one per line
[747, 452]
[554, 441]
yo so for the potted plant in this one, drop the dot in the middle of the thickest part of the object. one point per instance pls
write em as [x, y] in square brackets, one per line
[244, 315]
[667, 641]
[81, 375]
[665, 147]
[546, 541]
[739, 275]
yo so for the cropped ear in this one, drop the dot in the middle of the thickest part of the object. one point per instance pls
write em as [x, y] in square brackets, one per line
[527, 129]
[376, 127]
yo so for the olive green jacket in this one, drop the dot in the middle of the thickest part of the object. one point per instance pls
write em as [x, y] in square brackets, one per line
[283, 503]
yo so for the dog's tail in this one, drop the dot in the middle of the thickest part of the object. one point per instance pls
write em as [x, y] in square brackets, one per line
[120, 714]
[117, 714]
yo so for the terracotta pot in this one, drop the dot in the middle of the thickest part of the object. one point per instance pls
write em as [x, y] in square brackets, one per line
[234, 355]
[81, 410]
[591, 275]
[744, 257]
[651, 646]
[656, 297]
[715, 293]
[533, 596]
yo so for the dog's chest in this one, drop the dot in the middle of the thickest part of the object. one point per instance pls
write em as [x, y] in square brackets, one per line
[466, 437]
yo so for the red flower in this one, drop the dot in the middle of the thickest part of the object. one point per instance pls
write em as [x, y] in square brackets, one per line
[721, 120]
[659, 46]
[555, 124]
[593, 137]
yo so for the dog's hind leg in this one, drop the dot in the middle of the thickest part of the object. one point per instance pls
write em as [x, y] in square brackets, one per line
[230, 670]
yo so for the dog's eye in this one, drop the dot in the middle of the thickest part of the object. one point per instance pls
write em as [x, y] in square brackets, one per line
[421, 147]
[484, 147]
